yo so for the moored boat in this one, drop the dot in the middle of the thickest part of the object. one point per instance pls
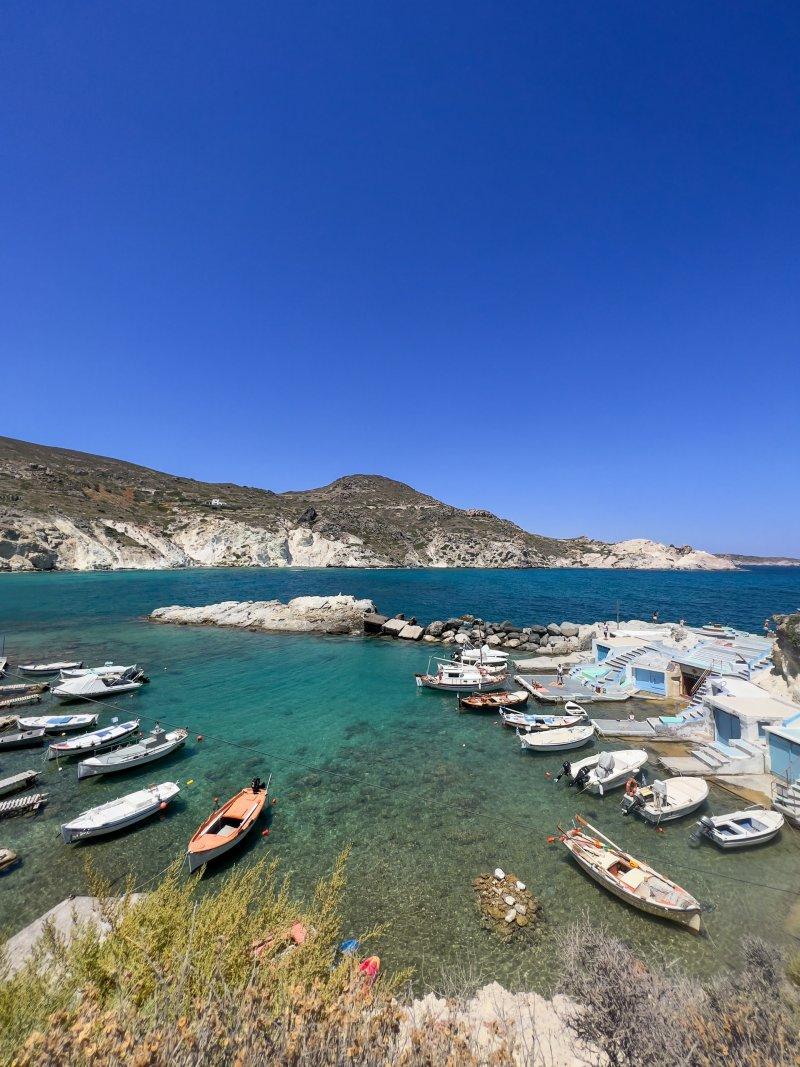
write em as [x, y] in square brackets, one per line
[101, 672]
[97, 687]
[452, 677]
[8, 858]
[741, 829]
[154, 747]
[485, 656]
[95, 741]
[43, 669]
[526, 721]
[665, 800]
[605, 770]
[557, 740]
[227, 826]
[629, 879]
[495, 701]
[58, 724]
[571, 707]
[22, 739]
[119, 814]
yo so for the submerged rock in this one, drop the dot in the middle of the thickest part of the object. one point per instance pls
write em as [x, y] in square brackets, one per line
[505, 908]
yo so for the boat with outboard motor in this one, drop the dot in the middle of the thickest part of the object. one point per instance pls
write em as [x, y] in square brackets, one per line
[664, 800]
[605, 770]
[228, 826]
[154, 747]
[22, 739]
[630, 879]
[98, 687]
[495, 701]
[486, 656]
[101, 672]
[96, 741]
[557, 740]
[740, 829]
[453, 677]
[119, 814]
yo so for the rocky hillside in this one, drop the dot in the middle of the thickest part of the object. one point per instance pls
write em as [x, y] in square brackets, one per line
[73, 511]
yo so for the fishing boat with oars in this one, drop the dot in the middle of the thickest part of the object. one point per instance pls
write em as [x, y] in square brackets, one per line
[453, 677]
[227, 826]
[630, 879]
[527, 721]
[495, 701]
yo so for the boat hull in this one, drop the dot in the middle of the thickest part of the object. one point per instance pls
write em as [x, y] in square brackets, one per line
[74, 832]
[87, 769]
[429, 681]
[688, 917]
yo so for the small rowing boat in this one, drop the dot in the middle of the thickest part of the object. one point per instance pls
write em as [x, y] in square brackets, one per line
[227, 826]
[741, 829]
[154, 747]
[571, 707]
[43, 669]
[629, 879]
[58, 724]
[495, 701]
[96, 741]
[119, 814]
[665, 800]
[556, 740]
[22, 739]
[605, 770]
[525, 721]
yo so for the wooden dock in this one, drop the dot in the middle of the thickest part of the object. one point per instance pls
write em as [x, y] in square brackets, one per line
[23, 689]
[17, 782]
[22, 805]
[21, 702]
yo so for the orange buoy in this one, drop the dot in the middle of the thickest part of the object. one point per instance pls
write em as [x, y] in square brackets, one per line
[162, 806]
[265, 833]
[551, 839]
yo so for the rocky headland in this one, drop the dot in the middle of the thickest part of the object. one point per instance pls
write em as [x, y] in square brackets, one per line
[304, 614]
[64, 510]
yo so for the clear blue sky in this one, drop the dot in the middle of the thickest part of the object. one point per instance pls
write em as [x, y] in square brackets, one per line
[537, 257]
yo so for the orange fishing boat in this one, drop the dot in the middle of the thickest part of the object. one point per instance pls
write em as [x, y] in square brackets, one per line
[228, 826]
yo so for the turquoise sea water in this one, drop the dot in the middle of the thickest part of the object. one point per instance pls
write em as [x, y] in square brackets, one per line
[427, 798]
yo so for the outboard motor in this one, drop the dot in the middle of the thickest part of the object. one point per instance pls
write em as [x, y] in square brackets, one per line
[605, 765]
[660, 792]
[566, 769]
[581, 778]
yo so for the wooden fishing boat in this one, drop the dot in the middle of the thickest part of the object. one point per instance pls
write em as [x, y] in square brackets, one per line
[154, 747]
[96, 741]
[495, 701]
[43, 669]
[58, 724]
[605, 770]
[227, 826]
[119, 814]
[665, 800]
[17, 782]
[741, 829]
[571, 707]
[22, 739]
[525, 721]
[556, 740]
[455, 677]
[629, 879]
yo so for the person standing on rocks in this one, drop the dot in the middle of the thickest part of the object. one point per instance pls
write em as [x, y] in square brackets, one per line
[559, 675]
[655, 616]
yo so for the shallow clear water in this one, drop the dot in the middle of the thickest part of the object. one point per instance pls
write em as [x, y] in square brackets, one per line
[427, 798]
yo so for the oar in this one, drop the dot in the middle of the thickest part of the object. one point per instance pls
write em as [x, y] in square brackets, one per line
[588, 825]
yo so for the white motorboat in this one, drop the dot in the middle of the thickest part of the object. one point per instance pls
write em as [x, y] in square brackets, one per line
[118, 814]
[665, 800]
[526, 721]
[452, 677]
[741, 829]
[558, 740]
[485, 656]
[632, 880]
[605, 770]
[102, 672]
[96, 687]
[42, 669]
[58, 724]
[154, 747]
[96, 741]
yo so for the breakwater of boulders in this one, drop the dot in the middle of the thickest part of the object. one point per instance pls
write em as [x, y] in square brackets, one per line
[550, 639]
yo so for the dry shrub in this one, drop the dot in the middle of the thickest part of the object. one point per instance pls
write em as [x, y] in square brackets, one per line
[635, 1014]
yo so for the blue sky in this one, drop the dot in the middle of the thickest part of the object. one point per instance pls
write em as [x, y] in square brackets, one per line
[540, 258]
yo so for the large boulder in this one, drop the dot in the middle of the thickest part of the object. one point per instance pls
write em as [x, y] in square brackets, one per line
[569, 629]
[411, 632]
[554, 629]
[435, 629]
[394, 627]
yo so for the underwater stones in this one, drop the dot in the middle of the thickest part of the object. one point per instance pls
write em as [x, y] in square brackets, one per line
[505, 909]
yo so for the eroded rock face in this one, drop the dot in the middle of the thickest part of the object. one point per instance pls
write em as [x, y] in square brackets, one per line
[641, 554]
[786, 652]
[305, 614]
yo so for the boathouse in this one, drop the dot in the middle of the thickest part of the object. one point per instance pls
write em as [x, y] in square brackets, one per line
[783, 741]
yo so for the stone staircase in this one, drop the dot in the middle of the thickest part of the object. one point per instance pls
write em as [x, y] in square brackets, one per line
[715, 757]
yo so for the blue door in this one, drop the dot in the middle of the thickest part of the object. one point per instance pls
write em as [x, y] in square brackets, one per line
[728, 726]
